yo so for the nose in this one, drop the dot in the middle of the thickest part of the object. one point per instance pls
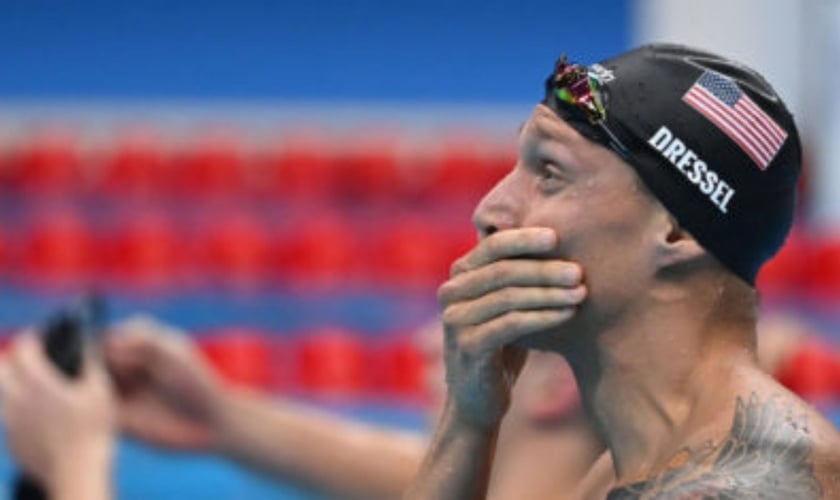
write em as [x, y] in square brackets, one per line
[500, 208]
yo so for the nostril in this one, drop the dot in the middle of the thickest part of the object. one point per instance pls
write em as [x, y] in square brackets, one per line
[489, 230]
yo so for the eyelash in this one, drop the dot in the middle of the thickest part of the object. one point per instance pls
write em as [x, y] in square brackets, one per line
[550, 180]
[549, 171]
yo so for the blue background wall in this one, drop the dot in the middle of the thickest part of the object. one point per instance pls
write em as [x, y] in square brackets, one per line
[358, 50]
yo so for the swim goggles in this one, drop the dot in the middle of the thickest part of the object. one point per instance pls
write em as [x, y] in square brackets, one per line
[575, 85]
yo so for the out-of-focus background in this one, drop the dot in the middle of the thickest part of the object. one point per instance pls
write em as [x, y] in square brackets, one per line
[289, 181]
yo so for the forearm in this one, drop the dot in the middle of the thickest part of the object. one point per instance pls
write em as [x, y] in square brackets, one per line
[292, 441]
[458, 462]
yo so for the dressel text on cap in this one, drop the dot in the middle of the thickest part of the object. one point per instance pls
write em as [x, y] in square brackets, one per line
[697, 171]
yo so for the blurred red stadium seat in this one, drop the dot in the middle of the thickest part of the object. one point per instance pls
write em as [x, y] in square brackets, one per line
[331, 362]
[49, 162]
[461, 241]
[813, 372]
[500, 163]
[367, 170]
[147, 252]
[822, 271]
[213, 166]
[6, 247]
[236, 247]
[401, 367]
[58, 250]
[318, 250]
[300, 169]
[6, 339]
[417, 170]
[243, 357]
[409, 251]
[136, 167]
[467, 169]
[458, 171]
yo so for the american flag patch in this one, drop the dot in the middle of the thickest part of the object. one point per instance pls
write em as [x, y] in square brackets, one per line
[721, 101]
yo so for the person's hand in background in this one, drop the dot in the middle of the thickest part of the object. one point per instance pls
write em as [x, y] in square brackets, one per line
[60, 430]
[169, 395]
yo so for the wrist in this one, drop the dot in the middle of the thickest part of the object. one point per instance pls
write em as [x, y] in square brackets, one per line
[82, 472]
[468, 420]
[228, 407]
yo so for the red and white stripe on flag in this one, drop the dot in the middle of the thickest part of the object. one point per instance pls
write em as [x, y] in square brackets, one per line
[721, 101]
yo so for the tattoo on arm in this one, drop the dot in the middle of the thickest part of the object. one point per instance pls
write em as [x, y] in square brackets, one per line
[766, 456]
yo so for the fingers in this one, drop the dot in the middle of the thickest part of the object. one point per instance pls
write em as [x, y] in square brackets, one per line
[30, 364]
[509, 327]
[26, 371]
[509, 273]
[511, 299]
[142, 324]
[128, 349]
[139, 342]
[503, 289]
[94, 370]
[140, 335]
[9, 385]
[506, 244]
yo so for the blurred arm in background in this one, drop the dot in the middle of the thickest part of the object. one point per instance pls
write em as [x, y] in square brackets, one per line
[61, 431]
[170, 396]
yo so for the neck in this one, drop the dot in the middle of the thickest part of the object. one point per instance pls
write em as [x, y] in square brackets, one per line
[654, 382]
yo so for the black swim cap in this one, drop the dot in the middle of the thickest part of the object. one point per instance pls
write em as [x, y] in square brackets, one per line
[708, 136]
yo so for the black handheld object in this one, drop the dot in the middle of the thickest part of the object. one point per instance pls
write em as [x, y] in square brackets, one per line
[64, 342]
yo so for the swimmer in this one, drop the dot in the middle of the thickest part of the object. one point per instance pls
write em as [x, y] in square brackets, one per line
[649, 191]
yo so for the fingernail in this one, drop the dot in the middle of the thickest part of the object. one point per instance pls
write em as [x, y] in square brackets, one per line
[573, 273]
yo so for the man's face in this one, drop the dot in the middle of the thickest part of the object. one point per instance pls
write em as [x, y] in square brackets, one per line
[595, 203]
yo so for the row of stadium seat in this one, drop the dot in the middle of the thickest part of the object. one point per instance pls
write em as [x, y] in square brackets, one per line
[310, 167]
[330, 362]
[338, 363]
[157, 250]
[153, 250]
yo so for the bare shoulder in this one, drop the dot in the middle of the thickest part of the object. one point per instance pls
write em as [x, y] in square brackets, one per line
[777, 447]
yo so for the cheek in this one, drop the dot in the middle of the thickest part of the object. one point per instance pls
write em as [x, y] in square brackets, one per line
[561, 213]
[604, 233]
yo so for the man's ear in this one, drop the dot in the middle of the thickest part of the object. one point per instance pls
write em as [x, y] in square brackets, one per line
[676, 247]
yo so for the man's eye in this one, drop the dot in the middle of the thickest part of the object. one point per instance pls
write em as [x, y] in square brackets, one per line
[549, 171]
[550, 179]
